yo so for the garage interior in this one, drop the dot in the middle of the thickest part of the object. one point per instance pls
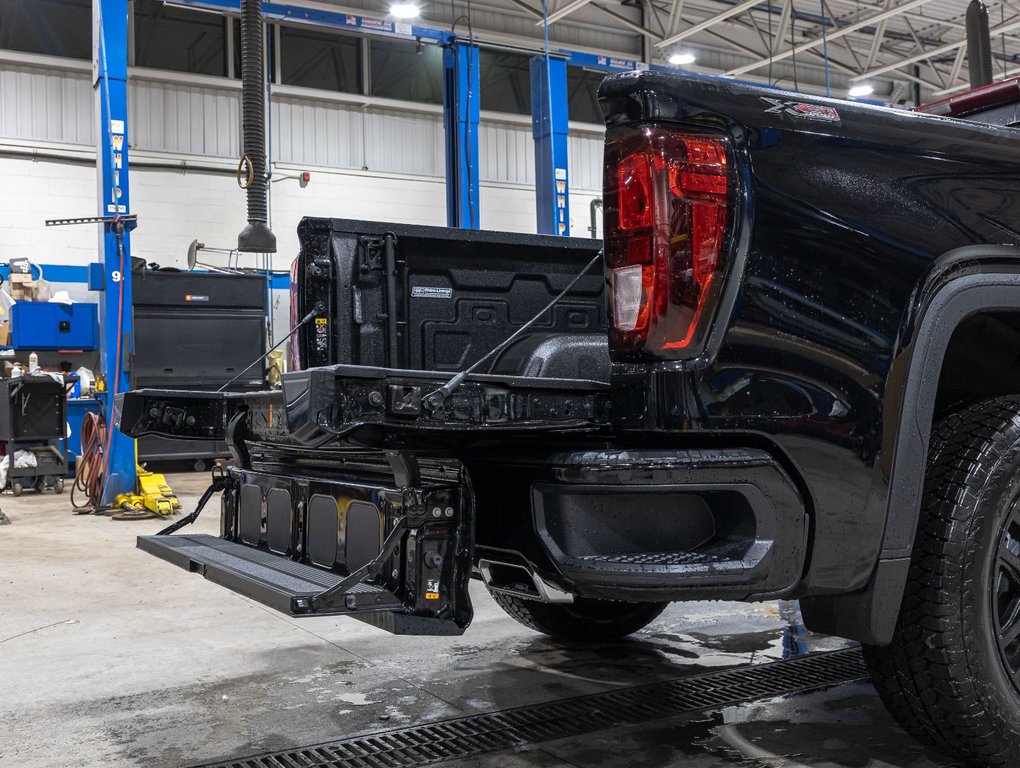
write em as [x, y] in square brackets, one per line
[122, 145]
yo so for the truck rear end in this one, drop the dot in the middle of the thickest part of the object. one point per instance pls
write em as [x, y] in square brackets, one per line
[369, 486]
[799, 297]
[698, 417]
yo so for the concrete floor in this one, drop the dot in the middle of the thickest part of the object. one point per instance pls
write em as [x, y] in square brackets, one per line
[111, 657]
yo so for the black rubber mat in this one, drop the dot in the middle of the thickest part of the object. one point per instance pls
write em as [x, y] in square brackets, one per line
[474, 735]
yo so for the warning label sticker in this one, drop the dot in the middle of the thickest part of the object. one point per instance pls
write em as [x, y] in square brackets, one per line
[428, 292]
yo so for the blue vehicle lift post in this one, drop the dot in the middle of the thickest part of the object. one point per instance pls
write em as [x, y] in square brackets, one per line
[460, 123]
[110, 39]
[550, 128]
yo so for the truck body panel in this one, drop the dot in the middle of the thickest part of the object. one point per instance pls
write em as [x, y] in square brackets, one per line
[847, 213]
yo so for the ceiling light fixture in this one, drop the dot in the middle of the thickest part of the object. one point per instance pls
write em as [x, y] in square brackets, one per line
[681, 58]
[860, 90]
[405, 10]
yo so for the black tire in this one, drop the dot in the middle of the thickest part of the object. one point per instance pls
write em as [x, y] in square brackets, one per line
[58, 485]
[582, 620]
[951, 676]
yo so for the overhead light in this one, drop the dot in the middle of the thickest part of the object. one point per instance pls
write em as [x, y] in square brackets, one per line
[679, 59]
[860, 90]
[405, 10]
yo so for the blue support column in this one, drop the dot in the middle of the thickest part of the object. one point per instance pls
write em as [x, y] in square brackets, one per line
[460, 122]
[109, 49]
[549, 126]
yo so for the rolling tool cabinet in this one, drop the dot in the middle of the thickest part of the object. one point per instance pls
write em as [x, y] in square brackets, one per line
[33, 417]
[196, 330]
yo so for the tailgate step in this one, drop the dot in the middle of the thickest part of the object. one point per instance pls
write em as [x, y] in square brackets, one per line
[272, 580]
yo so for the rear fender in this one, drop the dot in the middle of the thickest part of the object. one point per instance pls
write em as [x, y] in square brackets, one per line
[960, 284]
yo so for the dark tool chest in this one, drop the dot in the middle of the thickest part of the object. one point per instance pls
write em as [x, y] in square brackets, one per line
[196, 331]
[33, 417]
[32, 408]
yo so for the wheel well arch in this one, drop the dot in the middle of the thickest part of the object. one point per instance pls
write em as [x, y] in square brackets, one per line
[966, 309]
[961, 312]
[982, 360]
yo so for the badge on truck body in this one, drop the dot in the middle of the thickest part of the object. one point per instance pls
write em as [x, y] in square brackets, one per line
[816, 112]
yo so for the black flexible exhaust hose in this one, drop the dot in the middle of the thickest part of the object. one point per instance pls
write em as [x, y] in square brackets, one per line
[979, 45]
[256, 237]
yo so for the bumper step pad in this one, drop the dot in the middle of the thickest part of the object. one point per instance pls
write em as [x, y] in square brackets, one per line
[272, 580]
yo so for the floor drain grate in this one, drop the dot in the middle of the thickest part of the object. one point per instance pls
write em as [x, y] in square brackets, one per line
[513, 728]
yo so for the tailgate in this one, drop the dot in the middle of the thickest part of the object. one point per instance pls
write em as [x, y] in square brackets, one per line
[390, 548]
[371, 406]
[435, 298]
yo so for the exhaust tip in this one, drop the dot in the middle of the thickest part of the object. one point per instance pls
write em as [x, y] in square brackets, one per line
[520, 581]
[256, 237]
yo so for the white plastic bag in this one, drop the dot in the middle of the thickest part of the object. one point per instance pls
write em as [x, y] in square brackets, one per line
[22, 460]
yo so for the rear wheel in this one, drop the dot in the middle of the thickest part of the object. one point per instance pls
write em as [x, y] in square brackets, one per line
[952, 673]
[582, 620]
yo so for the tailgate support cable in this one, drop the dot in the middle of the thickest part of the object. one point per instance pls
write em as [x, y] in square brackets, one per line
[316, 310]
[219, 482]
[435, 399]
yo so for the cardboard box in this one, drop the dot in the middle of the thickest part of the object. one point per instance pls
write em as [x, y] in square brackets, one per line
[5, 333]
[18, 277]
[22, 291]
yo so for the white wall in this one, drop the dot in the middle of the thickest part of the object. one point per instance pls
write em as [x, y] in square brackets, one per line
[176, 207]
[369, 159]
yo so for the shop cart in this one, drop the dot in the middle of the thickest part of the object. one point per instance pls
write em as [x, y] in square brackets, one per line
[33, 417]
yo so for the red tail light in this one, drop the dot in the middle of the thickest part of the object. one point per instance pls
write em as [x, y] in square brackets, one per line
[667, 202]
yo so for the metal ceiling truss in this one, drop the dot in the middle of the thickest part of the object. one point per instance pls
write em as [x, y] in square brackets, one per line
[807, 43]
[874, 41]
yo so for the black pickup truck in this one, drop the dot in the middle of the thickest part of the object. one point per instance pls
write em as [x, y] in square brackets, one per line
[794, 373]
